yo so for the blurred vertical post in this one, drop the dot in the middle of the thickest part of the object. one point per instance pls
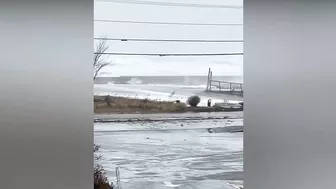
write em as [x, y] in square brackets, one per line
[207, 86]
[118, 177]
[210, 80]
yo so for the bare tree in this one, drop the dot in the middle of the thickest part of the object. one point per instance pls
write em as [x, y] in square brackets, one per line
[98, 60]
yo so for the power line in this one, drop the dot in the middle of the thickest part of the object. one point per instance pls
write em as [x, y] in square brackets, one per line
[171, 40]
[163, 54]
[170, 23]
[175, 4]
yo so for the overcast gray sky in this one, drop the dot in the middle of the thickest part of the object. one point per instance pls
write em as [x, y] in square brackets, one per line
[142, 65]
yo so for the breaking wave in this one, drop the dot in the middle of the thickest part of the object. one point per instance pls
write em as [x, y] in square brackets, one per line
[134, 81]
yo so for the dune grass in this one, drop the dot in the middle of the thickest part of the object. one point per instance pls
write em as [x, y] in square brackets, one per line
[112, 104]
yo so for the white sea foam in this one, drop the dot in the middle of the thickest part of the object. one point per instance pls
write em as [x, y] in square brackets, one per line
[179, 86]
[169, 184]
[135, 81]
[160, 92]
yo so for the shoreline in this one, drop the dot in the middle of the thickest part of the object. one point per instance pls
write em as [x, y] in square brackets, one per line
[121, 105]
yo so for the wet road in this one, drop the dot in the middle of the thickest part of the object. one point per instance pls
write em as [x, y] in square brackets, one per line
[173, 154]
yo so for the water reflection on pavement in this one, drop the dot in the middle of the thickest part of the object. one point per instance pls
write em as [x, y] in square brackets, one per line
[183, 154]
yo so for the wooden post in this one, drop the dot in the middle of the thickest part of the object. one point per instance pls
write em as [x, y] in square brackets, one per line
[207, 86]
[219, 85]
[210, 80]
[118, 177]
[230, 87]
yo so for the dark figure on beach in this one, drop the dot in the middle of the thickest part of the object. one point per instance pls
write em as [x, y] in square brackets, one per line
[209, 103]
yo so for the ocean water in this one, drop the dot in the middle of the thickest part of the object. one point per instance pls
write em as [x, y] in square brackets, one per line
[169, 88]
[170, 80]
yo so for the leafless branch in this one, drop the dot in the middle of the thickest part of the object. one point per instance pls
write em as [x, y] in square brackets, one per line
[98, 60]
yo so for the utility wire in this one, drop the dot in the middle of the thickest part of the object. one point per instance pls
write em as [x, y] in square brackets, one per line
[163, 54]
[171, 40]
[170, 23]
[175, 4]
